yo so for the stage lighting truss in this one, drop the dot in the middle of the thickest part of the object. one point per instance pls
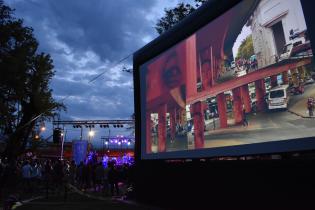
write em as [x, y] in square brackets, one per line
[118, 125]
[77, 126]
[104, 126]
[89, 126]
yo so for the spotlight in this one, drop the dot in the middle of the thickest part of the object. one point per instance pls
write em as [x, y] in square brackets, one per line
[101, 126]
[86, 126]
[114, 126]
[92, 126]
[91, 133]
[74, 126]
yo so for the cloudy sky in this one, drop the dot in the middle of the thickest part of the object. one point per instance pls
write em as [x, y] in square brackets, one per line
[86, 38]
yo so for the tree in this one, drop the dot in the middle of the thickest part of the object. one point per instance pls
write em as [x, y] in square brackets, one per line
[25, 95]
[246, 49]
[175, 15]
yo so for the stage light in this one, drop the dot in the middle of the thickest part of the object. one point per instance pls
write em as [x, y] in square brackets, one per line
[114, 126]
[91, 133]
[74, 126]
[43, 129]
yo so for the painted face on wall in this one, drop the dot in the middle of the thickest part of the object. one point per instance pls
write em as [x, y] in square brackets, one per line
[172, 75]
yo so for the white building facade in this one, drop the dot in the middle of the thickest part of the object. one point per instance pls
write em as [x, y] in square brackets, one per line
[271, 24]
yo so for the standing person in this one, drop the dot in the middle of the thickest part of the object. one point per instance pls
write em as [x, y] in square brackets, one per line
[26, 174]
[105, 180]
[310, 106]
[113, 178]
[73, 170]
[245, 122]
[58, 174]
[99, 176]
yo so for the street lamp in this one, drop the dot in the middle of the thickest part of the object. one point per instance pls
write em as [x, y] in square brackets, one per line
[91, 133]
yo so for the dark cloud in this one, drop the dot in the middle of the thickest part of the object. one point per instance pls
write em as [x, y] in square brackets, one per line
[109, 28]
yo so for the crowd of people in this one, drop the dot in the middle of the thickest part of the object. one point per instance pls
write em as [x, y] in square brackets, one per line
[33, 176]
[250, 64]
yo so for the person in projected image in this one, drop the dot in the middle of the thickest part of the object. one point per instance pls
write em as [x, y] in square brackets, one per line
[245, 121]
[172, 76]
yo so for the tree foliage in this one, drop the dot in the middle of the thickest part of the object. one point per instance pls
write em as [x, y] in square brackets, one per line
[246, 48]
[175, 15]
[25, 94]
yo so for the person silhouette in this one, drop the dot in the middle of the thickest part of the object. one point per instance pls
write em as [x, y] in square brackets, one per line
[245, 121]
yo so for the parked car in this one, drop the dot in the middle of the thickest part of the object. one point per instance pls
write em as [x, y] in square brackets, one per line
[278, 97]
[232, 64]
[286, 52]
[309, 80]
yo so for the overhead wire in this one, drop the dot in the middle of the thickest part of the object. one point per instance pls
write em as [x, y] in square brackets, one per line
[68, 95]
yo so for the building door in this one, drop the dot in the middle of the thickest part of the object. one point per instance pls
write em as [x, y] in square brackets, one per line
[279, 38]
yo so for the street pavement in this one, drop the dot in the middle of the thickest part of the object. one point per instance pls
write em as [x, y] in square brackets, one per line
[81, 202]
[298, 102]
[266, 126]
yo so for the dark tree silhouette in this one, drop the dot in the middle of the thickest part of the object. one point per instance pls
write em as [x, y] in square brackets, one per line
[175, 15]
[25, 95]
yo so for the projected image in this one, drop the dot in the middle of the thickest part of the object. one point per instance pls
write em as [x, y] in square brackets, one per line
[246, 77]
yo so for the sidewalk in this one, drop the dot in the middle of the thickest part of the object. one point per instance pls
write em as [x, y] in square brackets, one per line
[82, 201]
[252, 125]
[300, 107]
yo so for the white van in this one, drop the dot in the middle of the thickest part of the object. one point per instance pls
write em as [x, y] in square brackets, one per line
[278, 97]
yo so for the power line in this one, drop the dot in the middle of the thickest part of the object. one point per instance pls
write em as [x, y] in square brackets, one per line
[115, 64]
[67, 96]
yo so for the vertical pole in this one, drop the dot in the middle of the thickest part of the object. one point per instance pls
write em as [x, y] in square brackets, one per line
[62, 141]
[273, 80]
[148, 133]
[237, 105]
[246, 98]
[285, 77]
[212, 66]
[81, 132]
[221, 101]
[162, 128]
[260, 94]
[173, 123]
[199, 127]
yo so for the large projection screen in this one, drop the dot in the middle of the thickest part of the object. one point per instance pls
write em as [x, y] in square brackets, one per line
[241, 84]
